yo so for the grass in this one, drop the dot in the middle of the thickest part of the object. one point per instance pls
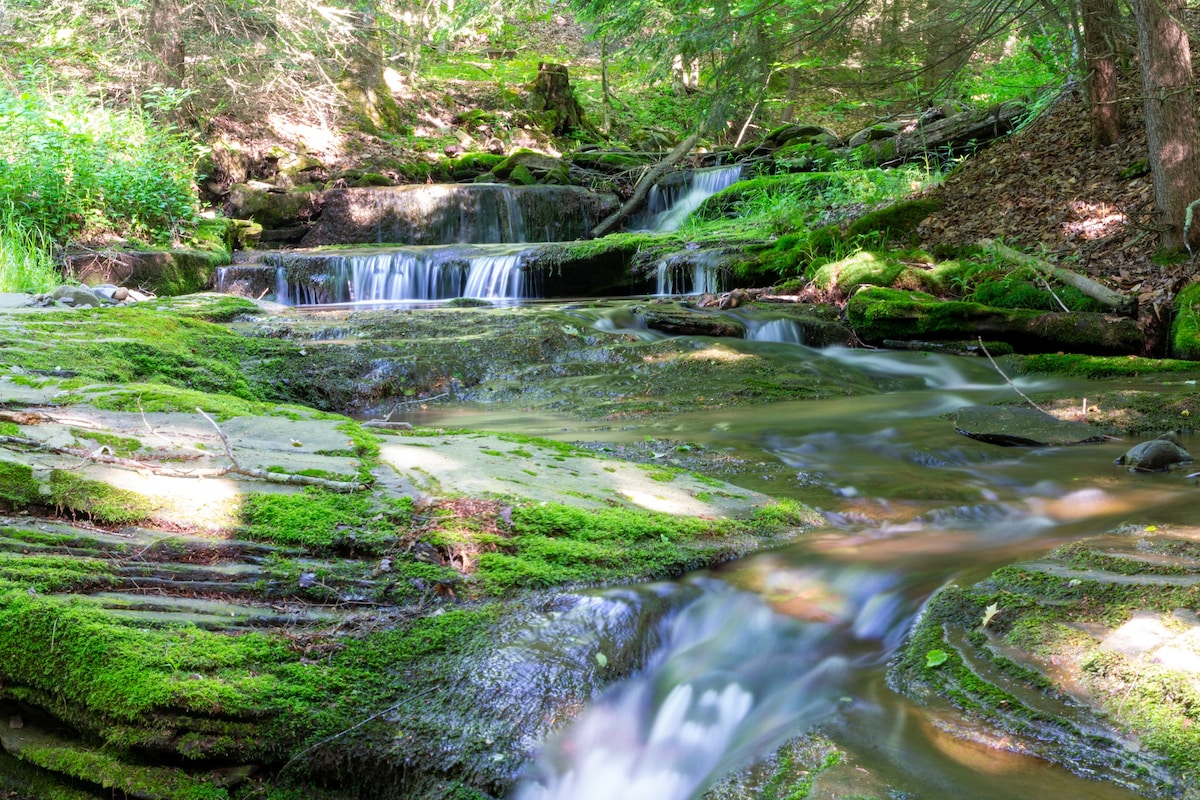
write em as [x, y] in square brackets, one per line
[26, 256]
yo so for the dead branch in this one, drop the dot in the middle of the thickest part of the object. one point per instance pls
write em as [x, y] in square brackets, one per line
[1126, 306]
[277, 477]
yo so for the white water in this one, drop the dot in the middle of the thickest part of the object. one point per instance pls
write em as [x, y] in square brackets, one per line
[797, 638]
[668, 208]
[699, 276]
[493, 272]
[734, 679]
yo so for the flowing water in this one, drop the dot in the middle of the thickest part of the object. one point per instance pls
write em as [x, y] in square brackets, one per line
[465, 241]
[782, 642]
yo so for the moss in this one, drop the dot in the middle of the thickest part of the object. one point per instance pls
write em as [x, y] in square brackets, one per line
[98, 501]
[1085, 366]
[897, 221]
[862, 268]
[521, 176]
[317, 519]
[1185, 326]
[18, 487]
[112, 773]
[553, 544]
[120, 446]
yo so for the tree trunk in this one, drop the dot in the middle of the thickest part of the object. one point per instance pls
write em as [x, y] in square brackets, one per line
[1101, 20]
[164, 39]
[1169, 97]
[643, 186]
[1114, 300]
[365, 85]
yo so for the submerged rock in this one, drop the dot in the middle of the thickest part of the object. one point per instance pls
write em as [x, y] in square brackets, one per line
[1155, 455]
[1015, 426]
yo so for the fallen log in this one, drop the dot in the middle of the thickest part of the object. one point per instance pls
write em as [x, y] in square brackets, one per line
[1126, 306]
[877, 314]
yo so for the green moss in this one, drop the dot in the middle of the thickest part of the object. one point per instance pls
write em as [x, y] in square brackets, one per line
[1085, 366]
[18, 487]
[151, 397]
[861, 268]
[110, 772]
[897, 221]
[121, 446]
[317, 519]
[98, 501]
[1185, 326]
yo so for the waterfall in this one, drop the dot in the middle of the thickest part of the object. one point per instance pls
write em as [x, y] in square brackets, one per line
[668, 206]
[690, 273]
[494, 272]
[784, 331]
[434, 214]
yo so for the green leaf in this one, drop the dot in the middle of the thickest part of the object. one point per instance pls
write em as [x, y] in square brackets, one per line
[602, 659]
[935, 658]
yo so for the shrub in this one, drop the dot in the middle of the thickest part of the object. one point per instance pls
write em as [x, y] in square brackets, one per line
[73, 167]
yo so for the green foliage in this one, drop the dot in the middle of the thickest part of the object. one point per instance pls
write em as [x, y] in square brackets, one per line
[897, 221]
[1023, 69]
[72, 167]
[26, 255]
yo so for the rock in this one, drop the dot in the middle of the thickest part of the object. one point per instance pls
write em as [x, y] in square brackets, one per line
[882, 130]
[1155, 455]
[1017, 426]
[75, 296]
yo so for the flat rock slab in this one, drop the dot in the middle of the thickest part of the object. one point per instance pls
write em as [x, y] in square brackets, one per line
[1017, 426]
[483, 465]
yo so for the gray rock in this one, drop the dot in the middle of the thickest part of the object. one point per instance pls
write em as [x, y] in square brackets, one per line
[75, 296]
[1017, 426]
[1155, 455]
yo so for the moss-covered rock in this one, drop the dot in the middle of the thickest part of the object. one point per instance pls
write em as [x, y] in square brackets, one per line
[162, 272]
[897, 221]
[525, 167]
[1185, 326]
[862, 268]
[1098, 611]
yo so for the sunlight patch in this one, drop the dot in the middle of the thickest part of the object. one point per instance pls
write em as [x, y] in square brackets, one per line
[1092, 220]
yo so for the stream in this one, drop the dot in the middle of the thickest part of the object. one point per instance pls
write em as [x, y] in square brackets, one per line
[798, 639]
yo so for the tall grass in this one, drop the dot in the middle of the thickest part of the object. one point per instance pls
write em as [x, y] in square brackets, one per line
[26, 257]
[71, 167]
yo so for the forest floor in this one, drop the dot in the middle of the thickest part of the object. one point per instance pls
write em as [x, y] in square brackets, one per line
[1046, 190]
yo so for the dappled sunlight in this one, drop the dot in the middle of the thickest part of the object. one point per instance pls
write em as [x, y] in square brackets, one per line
[1092, 220]
[718, 353]
[211, 504]
[320, 139]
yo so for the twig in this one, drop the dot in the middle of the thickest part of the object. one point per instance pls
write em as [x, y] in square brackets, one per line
[1006, 378]
[276, 477]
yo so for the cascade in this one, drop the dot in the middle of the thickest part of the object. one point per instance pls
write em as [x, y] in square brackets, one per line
[668, 206]
[403, 274]
[697, 274]
[432, 214]
[783, 331]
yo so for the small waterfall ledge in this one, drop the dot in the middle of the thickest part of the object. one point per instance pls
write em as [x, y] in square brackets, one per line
[671, 202]
[496, 272]
[480, 213]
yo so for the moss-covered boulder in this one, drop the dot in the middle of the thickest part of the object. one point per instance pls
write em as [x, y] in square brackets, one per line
[1057, 650]
[525, 167]
[897, 221]
[1185, 327]
[271, 208]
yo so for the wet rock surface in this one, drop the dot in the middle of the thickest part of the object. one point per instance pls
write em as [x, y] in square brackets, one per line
[1017, 426]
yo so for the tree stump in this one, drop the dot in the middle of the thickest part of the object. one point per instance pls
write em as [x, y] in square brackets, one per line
[553, 96]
